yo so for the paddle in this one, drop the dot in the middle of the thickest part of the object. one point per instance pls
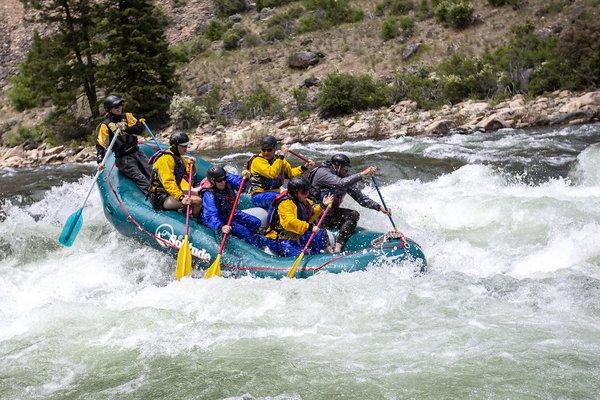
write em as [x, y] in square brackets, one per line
[299, 156]
[402, 238]
[215, 267]
[184, 257]
[292, 272]
[75, 220]
[151, 134]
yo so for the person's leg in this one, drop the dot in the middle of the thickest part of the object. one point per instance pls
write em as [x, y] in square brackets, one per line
[264, 199]
[171, 203]
[144, 164]
[249, 221]
[318, 243]
[239, 230]
[289, 248]
[130, 167]
[345, 220]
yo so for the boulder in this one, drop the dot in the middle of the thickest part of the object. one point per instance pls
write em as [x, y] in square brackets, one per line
[13, 152]
[310, 82]
[492, 123]
[303, 59]
[283, 124]
[410, 50]
[54, 150]
[235, 18]
[588, 99]
[474, 108]
[439, 127]
[358, 127]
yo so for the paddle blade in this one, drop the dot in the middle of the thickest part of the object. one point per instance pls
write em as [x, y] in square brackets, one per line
[214, 269]
[71, 228]
[292, 272]
[184, 259]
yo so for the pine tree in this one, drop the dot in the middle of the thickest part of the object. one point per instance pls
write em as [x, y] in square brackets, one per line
[138, 65]
[73, 20]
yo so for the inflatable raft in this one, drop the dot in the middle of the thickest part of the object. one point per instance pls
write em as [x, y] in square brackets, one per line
[132, 215]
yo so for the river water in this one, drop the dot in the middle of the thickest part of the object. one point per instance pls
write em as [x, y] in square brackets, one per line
[509, 222]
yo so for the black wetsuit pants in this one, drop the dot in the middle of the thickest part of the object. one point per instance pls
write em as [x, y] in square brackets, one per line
[136, 167]
[343, 219]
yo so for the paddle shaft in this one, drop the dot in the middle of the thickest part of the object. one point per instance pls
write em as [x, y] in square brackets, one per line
[110, 146]
[300, 156]
[312, 236]
[232, 213]
[383, 202]
[151, 134]
[187, 211]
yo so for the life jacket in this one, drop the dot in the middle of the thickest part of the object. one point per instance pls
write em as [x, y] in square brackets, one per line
[257, 181]
[224, 199]
[126, 143]
[156, 185]
[303, 212]
[318, 194]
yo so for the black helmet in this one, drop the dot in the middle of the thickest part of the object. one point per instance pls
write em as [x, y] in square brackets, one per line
[268, 142]
[340, 159]
[179, 138]
[296, 184]
[215, 173]
[112, 101]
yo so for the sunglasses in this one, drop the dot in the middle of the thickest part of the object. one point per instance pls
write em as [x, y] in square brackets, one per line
[267, 150]
[303, 192]
[219, 180]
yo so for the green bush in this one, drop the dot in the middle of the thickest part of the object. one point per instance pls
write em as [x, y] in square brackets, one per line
[464, 77]
[395, 7]
[214, 30]
[424, 11]
[23, 134]
[457, 14]
[198, 45]
[260, 102]
[390, 28]
[422, 86]
[226, 8]
[274, 33]
[284, 18]
[232, 38]
[342, 94]
[186, 113]
[260, 4]
[300, 96]
[407, 24]
[21, 95]
[335, 12]
[180, 52]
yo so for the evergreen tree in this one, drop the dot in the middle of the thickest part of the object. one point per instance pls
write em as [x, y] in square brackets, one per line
[138, 64]
[72, 47]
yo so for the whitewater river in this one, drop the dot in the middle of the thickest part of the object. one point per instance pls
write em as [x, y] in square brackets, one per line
[510, 225]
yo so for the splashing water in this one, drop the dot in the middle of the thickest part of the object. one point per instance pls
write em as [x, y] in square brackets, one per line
[509, 222]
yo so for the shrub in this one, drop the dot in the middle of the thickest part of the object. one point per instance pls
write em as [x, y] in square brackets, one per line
[260, 4]
[286, 17]
[464, 77]
[424, 11]
[342, 94]
[260, 102]
[395, 7]
[422, 86]
[232, 38]
[186, 113]
[457, 14]
[407, 25]
[300, 96]
[229, 7]
[23, 134]
[214, 30]
[308, 23]
[389, 28]
[21, 95]
[274, 33]
[198, 45]
[334, 12]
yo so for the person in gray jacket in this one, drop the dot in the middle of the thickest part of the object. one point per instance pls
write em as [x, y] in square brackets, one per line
[332, 178]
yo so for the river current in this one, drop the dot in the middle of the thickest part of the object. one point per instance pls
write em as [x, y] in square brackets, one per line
[509, 222]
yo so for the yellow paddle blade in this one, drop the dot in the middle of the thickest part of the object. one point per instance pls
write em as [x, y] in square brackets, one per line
[292, 272]
[214, 269]
[184, 259]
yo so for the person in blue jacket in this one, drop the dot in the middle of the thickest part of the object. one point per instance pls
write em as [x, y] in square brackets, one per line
[218, 193]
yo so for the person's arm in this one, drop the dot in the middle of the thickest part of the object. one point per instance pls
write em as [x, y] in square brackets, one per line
[292, 172]
[328, 179]
[165, 165]
[234, 181]
[317, 211]
[134, 127]
[262, 167]
[288, 219]
[210, 213]
[363, 199]
[102, 142]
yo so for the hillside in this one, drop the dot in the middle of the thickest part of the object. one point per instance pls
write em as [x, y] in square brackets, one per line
[225, 60]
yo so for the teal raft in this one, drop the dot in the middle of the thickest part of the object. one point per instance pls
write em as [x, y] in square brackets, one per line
[133, 216]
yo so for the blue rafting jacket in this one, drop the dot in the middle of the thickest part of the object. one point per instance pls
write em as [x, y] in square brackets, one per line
[217, 204]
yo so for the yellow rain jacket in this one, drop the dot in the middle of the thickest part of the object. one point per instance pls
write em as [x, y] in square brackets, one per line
[268, 176]
[170, 175]
[288, 222]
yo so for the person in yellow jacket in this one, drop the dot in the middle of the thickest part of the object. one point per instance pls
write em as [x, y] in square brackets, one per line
[291, 221]
[128, 158]
[169, 184]
[268, 171]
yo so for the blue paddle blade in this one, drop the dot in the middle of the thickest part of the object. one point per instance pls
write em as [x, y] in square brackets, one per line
[71, 228]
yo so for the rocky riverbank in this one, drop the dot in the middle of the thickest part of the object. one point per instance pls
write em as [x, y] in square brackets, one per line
[404, 118]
